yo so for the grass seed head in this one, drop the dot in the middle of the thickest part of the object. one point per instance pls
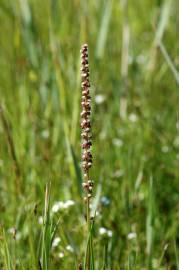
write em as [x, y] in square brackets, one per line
[85, 120]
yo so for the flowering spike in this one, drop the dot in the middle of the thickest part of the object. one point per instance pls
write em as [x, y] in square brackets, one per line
[85, 121]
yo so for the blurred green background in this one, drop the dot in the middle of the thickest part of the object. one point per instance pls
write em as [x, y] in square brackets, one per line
[133, 47]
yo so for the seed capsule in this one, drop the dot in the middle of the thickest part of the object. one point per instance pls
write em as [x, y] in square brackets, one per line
[85, 123]
[84, 62]
[85, 165]
[87, 156]
[86, 145]
[85, 98]
[86, 93]
[85, 175]
[85, 113]
[90, 182]
[84, 135]
[85, 74]
[89, 164]
[85, 185]
[87, 130]
[85, 84]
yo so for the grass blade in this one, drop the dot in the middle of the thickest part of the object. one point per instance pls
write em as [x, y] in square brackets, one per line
[5, 252]
[46, 233]
[101, 42]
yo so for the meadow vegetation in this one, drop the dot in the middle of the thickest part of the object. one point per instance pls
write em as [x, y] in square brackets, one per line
[133, 55]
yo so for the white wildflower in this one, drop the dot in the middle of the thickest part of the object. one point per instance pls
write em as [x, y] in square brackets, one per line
[12, 230]
[133, 117]
[68, 203]
[102, 230]
[99, 99]
[18, 236]
[132, 235]
[109, 233]
[105, 200]
[40, 220]
[56, 241]
[62, 205]
[57, 206]
[117, 142]
[70, 248]
[61, 255]
[165, 149]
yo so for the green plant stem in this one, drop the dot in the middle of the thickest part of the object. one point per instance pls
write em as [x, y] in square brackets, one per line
[88, 209]
[88, 228]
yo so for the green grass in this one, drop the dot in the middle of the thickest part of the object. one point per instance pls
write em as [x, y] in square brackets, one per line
[134, 65]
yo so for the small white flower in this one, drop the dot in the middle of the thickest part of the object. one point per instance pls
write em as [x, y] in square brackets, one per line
[68, 203]
[133, 117]
[132, 235]
[57, 206]
[61, 255]
[69, 248]
[109, 233]
[99, 99]
[117, 142]
[105, 200]
[12, 230]
[40, 220]
[165, 149]
[102, 230]
[56, 241]
[62, 205]
[18, 236]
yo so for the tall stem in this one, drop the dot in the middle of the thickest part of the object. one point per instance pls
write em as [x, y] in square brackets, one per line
[86, 146]
[88, 209]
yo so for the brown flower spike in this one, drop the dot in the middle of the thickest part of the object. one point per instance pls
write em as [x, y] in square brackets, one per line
[85, 122]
